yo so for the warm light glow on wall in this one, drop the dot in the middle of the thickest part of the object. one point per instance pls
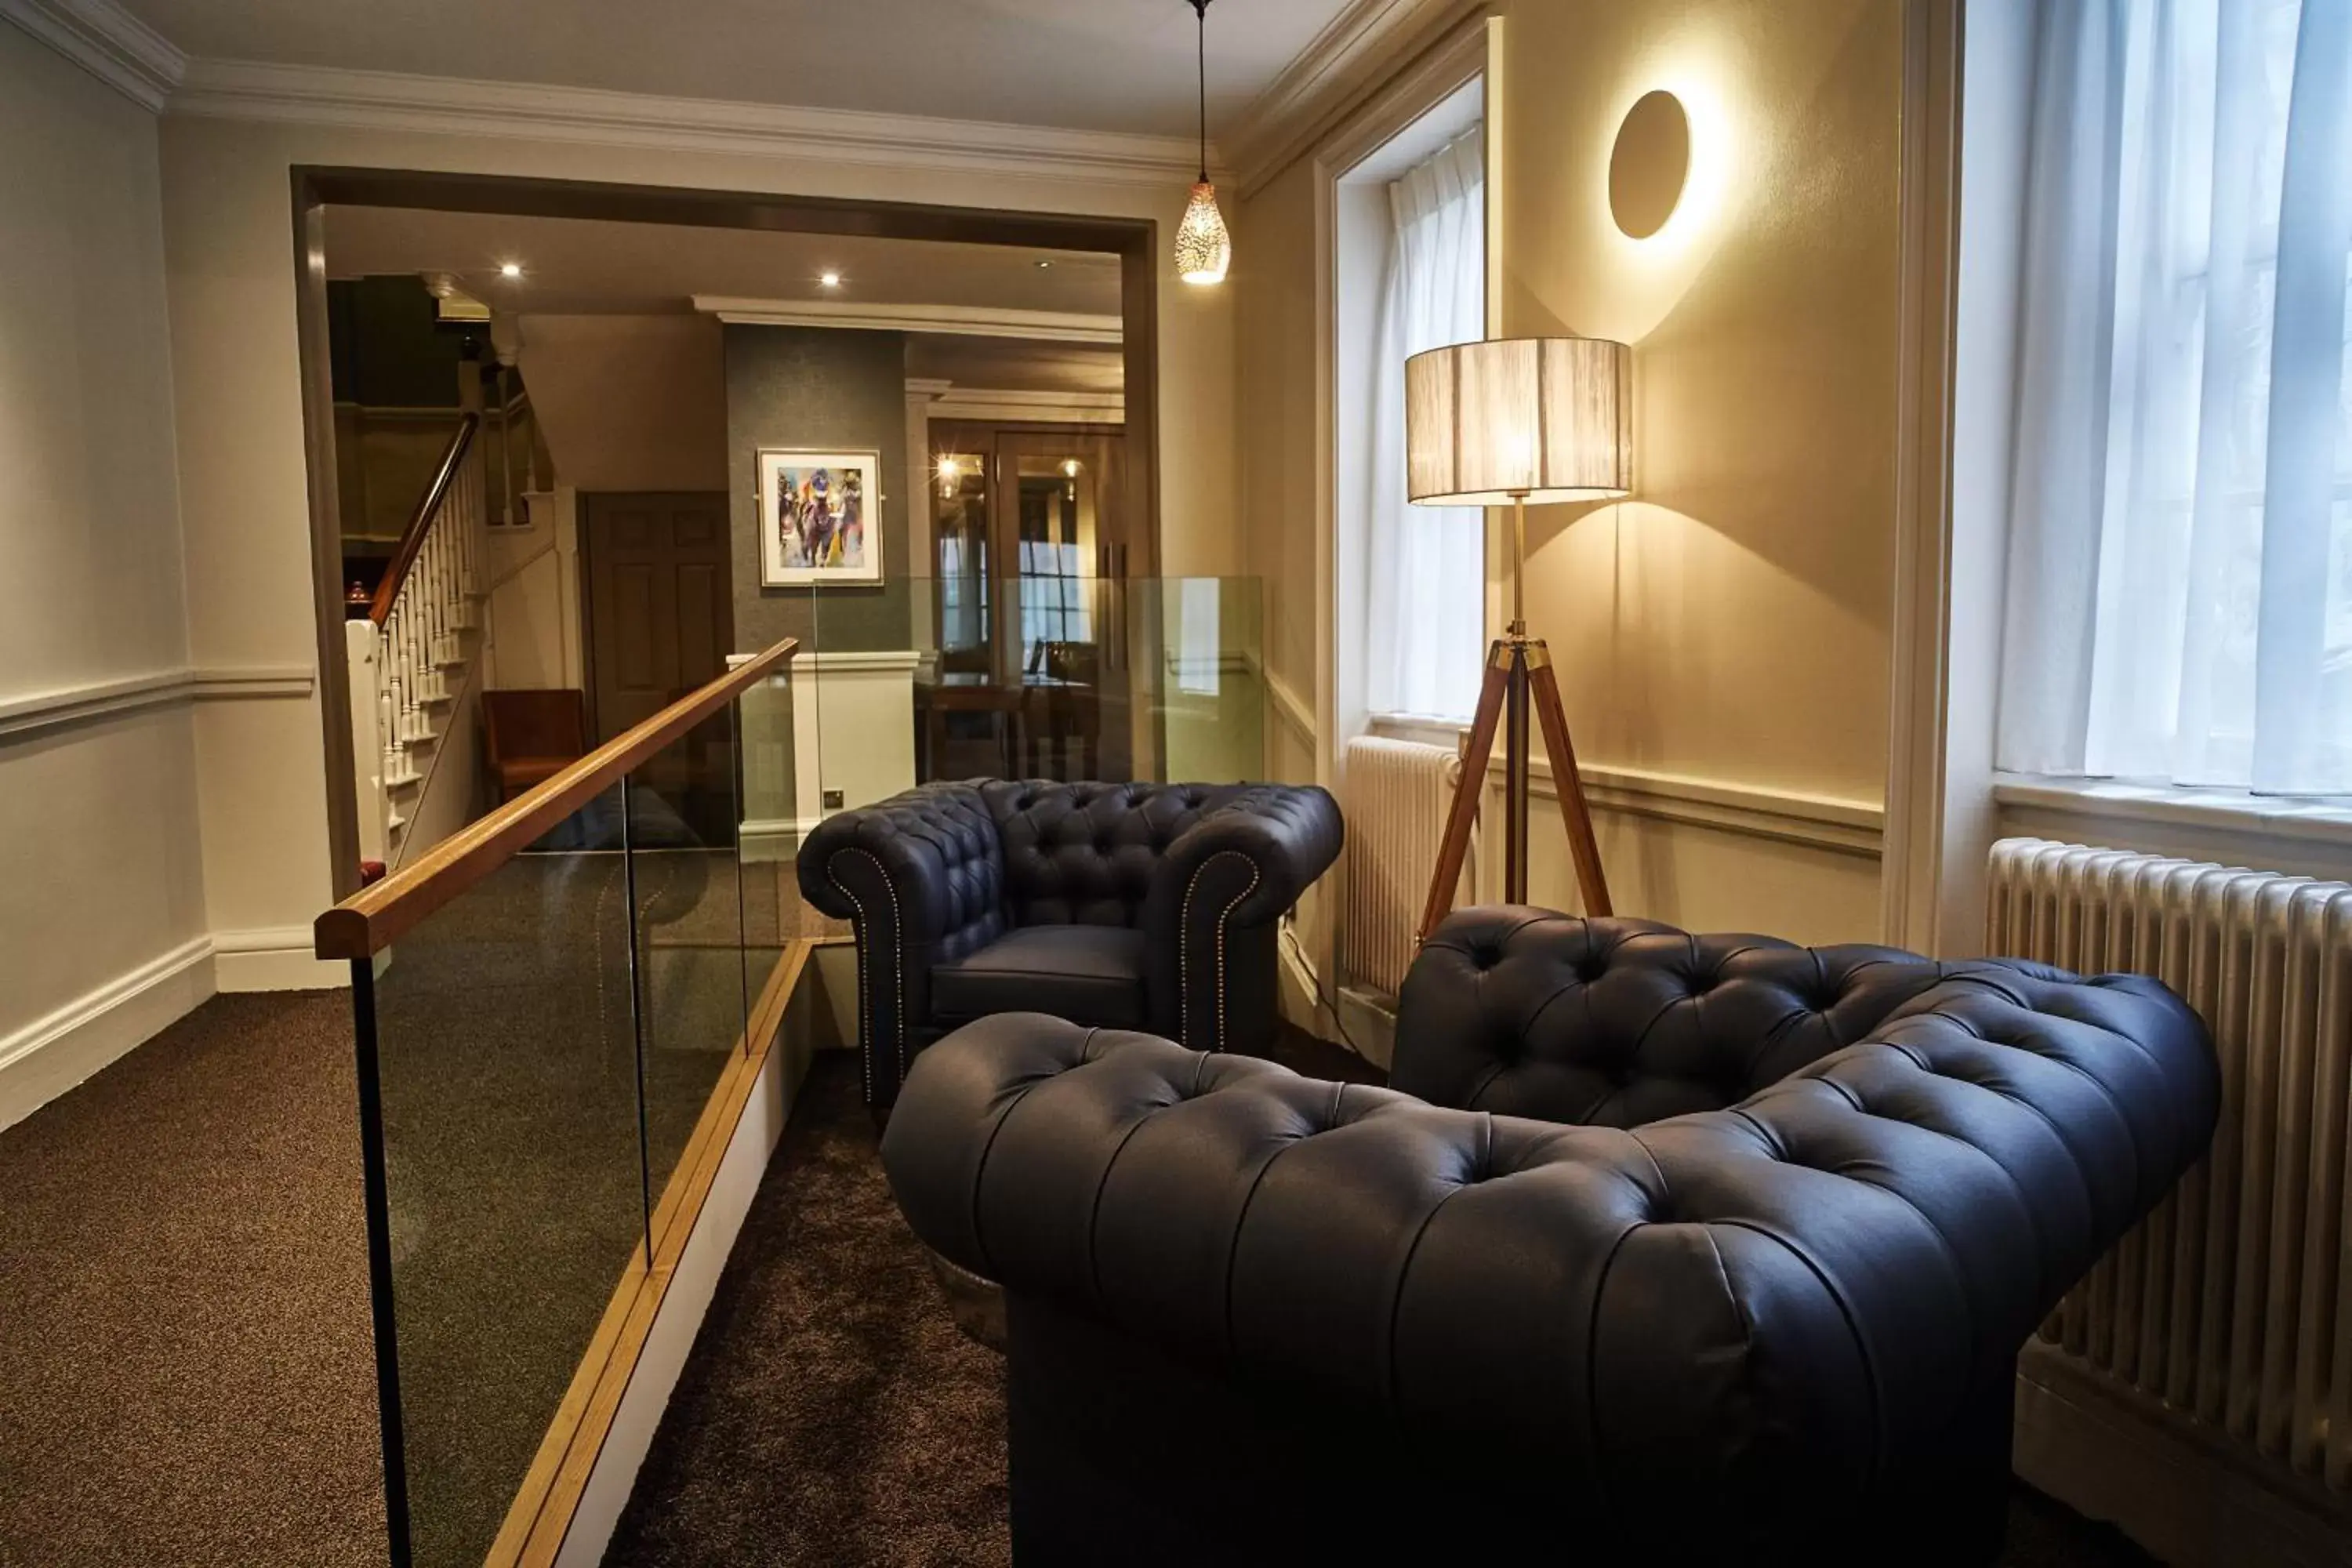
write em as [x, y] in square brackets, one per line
[1707, 103]
[1649, 275]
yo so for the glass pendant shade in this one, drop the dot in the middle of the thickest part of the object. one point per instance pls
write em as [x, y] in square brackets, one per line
[1204, 248]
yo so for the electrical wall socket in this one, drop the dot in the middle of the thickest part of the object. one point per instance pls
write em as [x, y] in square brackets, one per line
[832, 799]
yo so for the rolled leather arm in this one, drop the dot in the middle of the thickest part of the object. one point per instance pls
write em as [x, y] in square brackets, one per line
[1237, 867]
[1810, 1288]
[920, 876]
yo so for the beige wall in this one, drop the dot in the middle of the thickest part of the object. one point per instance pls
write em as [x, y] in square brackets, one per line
[1734, 617]
[102, 888]
[630, 403]
[1727, 629]
[231, 269]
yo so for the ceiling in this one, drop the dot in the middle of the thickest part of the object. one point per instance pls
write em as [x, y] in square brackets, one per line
[1096, 65]
[593, 267]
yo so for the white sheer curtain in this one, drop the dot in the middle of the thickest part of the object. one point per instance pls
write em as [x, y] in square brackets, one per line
[2180, 556]
[1427, 621]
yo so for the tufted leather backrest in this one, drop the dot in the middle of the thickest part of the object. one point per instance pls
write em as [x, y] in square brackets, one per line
[1616, 1023]
[1083, 854]
[937, 842]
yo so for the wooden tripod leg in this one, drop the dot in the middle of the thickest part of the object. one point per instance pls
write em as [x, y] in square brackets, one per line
[1454, 848]
[1544, 687]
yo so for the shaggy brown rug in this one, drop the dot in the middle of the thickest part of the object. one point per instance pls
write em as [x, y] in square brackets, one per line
[831, 1412]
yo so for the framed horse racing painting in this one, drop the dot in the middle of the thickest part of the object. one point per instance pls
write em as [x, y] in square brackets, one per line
[817, 521]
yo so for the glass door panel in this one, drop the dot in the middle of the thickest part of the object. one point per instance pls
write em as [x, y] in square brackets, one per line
[1058, 514]
[959, 525]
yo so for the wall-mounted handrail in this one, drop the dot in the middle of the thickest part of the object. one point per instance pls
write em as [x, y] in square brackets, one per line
[420, 522]
[365, 923]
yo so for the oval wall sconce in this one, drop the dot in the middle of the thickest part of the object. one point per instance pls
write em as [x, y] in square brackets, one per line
[1649, 165]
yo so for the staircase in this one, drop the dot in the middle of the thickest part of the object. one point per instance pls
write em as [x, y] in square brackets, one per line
[415, 670]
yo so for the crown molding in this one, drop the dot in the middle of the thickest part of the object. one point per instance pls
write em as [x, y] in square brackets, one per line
[1361, 47]
[108, 42]
[964, 321]
[457, 106]
[952, 402]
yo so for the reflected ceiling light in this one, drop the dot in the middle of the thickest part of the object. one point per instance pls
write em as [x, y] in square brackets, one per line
[511, 270]
[830, 279]
[951, 473]
[1042, 265]
[1650, 164]
[1204, 248]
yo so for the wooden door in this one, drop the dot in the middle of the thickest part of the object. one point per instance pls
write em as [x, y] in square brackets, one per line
[661, 610]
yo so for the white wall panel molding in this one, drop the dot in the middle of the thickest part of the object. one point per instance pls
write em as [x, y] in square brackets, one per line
[1929, 783]
[837, 661]
[53, 1053]
[257, 681]
[22, 716]
[388, 101]
[39, 711]
[1295, 713]
[108, 42]
[1792, 816]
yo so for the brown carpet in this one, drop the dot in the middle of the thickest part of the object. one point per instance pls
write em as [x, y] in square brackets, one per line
[185, 1371]
[831, 1412]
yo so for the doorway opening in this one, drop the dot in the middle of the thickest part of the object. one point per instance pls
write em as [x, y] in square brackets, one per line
[621, 592]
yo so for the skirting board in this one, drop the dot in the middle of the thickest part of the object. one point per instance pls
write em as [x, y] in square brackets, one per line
[52, 1054]
[2191, 1496]
[273, 958]
[693, 1282]
[1365, 1024]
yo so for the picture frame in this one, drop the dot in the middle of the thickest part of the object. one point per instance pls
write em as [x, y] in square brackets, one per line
[818, 520]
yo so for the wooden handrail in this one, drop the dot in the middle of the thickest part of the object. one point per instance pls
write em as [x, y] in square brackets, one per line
[412, 537]
[365, 923]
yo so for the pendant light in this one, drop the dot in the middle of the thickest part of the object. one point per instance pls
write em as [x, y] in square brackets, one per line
[1204, 248]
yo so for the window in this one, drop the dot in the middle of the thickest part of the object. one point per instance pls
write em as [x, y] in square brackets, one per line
[2179, 576]
[1426, 573]
[1056, 569]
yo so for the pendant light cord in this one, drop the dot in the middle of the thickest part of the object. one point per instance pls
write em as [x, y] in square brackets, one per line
[1201, 14]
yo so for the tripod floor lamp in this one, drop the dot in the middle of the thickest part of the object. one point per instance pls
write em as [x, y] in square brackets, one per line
[1518, 420]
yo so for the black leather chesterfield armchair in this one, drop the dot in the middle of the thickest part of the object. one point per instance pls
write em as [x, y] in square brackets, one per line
[1723, 1251]
[1139, 906]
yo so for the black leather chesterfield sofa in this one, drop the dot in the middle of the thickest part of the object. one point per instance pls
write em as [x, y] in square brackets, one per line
[1711, 1248]
[1139, 906]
